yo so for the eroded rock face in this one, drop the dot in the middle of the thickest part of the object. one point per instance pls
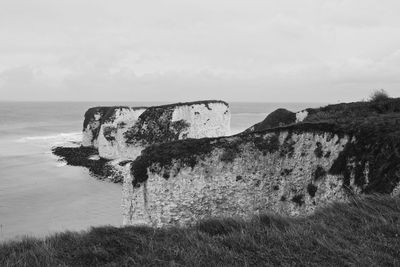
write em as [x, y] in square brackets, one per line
[285, 172]
[111, 140]
[91, 125]
[97, 116]
[168, 123]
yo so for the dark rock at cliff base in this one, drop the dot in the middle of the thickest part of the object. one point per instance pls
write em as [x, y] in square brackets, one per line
[277, 118]
[88, 157]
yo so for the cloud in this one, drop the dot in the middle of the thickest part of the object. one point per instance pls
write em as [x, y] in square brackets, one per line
[180, 49]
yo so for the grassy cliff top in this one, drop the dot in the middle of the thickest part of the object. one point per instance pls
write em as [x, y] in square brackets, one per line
[364, 232]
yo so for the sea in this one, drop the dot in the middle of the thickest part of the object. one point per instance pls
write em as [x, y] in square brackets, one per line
[40, 195]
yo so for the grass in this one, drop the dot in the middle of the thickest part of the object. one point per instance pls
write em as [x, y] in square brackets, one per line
[364, 232]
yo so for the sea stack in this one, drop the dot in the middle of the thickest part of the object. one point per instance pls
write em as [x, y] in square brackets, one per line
[123, 132]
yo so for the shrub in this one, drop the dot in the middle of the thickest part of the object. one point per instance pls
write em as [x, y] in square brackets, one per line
[379, 95]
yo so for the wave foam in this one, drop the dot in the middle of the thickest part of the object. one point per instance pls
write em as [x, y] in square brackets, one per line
[73, 138]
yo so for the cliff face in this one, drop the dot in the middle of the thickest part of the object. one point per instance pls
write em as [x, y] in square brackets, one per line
[282, 171]
[320, 156]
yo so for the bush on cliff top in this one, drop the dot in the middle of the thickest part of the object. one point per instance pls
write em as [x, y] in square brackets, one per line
[365, 232]
[379, 95]
[279, 117]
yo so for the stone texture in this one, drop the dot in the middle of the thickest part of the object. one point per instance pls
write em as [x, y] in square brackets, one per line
[253, 182]
[111, 141]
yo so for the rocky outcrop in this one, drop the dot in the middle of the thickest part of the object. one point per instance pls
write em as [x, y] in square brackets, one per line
[337, 151]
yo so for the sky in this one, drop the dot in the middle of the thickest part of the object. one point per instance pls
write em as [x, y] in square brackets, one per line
[184, 50]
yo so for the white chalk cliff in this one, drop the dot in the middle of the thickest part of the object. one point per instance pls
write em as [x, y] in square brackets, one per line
[284, 172]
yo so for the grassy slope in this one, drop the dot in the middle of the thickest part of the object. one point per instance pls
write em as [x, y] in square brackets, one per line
[364, 232]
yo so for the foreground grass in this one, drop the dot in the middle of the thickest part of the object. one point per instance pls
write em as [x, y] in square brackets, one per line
[365, 232]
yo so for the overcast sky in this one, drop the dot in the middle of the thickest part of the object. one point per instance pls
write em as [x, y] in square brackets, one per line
[178, 50]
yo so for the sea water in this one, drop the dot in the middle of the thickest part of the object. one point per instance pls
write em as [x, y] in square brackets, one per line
[39, 194]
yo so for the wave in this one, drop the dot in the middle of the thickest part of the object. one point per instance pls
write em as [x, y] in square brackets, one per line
[57, 139]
